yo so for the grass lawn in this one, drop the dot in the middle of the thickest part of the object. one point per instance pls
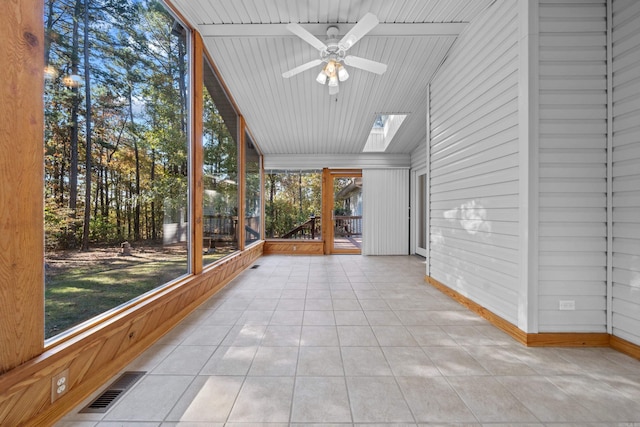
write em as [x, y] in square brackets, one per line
[82, 285]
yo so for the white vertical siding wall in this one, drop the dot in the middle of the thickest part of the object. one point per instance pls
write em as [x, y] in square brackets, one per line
[474, 219]
[572, 165]
[626, 170]
[385, 211]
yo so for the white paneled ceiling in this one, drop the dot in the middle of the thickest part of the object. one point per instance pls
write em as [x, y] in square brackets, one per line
[251, 48]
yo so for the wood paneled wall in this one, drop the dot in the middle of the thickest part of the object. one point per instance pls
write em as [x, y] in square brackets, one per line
[101, 351]
[21, 175]
[294, 247]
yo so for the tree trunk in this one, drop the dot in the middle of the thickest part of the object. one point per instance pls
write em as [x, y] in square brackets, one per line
[154, 233]
[136, 150]
[88, 160]
[73, 167]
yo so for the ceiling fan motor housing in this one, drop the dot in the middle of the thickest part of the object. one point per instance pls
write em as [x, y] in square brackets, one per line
[333, 50]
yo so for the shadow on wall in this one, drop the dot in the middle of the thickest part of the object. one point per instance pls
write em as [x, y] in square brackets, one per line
[472, 217]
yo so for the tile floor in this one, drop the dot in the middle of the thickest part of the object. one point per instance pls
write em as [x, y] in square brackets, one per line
[348, 340]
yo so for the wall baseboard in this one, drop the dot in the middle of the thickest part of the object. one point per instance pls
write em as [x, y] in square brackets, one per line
[569, 339]
[294, 247]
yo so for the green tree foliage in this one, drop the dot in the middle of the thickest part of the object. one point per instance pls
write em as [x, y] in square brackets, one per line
[291, 198]
[115, 120]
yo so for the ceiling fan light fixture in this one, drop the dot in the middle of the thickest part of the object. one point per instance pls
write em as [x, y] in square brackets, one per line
[333, 81]
[330, 68]
[342, 73]
[333, 90]
[322, 77]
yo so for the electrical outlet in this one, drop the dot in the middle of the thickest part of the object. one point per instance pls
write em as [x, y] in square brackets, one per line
[295, 247]
[567, 305]
[60, 385]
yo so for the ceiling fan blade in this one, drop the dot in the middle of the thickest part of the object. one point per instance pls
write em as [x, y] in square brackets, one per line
[366, 64]
[358, 31]
[301, 68]
[305, 35]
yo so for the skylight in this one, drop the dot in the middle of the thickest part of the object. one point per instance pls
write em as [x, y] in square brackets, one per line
[382, 132]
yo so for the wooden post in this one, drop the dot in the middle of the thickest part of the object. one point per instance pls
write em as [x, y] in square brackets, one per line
[21, 177]
[197, 154]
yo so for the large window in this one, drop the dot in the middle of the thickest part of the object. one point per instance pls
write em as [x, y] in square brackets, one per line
[293, 204]
[252, 191]
[220, 171]
[116, 155]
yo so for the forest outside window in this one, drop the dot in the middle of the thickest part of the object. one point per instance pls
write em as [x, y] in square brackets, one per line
[253, 191]
[293, 204]
[220, 233]
[116, 155]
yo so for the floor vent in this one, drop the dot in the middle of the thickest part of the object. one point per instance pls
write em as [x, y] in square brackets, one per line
[102, 403]
[253, 267]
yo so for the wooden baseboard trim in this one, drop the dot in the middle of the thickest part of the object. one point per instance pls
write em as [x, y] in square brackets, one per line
[496, 320]
[541, 339]
[568, 339]
[624, 346]
[294, 247]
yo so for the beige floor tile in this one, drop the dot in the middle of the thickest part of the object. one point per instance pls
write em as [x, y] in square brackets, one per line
[365, 361]
[377, 400]
[151, 399]
[320, 400]
[319, 336]
[454, 361]
[207, 335]
[394, 336]
[356, 336]
[346, 304]
[318, 318]
[294, 293]
[433, 400]
[244, 335]
[548, 402]
[500, 360]
[291, 304]
[375, 343]
[351, 317]
[610, 404]
[410, 362]
[382, 318]
[281, 336]
[185, 360]
[274, 361]
[320, 361]
[208, 399]
[414, 317]
[318, 304]
[223, 317]
[229, 361]
[287, 317]
[489, 400]
[431, 336]
[263, 400]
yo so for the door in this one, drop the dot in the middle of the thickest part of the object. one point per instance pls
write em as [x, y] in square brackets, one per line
[343, 208]
[420, 213]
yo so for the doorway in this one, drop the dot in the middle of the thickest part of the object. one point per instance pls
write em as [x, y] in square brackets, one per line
[419, 213]
[343, 208]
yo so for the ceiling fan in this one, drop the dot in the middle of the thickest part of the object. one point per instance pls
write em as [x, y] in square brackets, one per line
[333, 53]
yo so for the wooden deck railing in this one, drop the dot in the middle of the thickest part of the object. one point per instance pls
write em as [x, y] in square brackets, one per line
[311, 229]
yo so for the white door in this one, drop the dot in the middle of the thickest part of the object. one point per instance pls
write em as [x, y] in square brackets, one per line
[419, 213]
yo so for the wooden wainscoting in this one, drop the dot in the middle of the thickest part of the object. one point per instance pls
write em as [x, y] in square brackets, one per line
[98, 354]
[569, 339]
[294, 247]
